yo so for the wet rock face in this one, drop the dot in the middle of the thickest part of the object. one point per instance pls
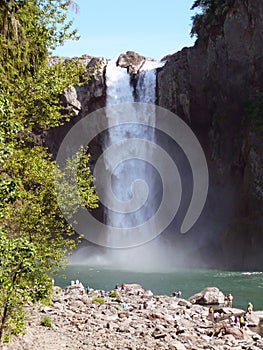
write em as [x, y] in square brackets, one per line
[209, 86]
[132, 61]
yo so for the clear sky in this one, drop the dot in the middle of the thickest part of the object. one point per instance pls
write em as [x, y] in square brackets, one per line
[153, 28]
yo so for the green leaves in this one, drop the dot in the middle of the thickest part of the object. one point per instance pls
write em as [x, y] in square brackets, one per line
[34, 236]
[19, 275]
[211, 17]
[76, 173]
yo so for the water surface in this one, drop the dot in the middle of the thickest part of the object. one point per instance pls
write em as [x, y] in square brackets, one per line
[244, 286]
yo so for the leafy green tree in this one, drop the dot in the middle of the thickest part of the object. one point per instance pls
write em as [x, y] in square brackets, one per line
[22, 279]
[29, 31]
[35, 214]
[34, 222]
[35, 238]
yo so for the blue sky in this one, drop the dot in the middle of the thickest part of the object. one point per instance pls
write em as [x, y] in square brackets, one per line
[152, 28]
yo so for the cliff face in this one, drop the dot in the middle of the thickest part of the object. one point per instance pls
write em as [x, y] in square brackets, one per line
[84, 99]
[209, 86]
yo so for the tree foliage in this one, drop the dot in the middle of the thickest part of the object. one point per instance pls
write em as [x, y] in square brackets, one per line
[22, 279]
[211, 17]
[34, 235]
[29, 30]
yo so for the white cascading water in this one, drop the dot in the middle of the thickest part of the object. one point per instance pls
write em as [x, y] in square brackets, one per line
[146, 86]
[120, 90]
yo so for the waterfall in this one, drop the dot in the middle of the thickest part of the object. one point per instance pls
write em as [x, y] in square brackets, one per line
[120, 90]
[139, 177]
[146, 86]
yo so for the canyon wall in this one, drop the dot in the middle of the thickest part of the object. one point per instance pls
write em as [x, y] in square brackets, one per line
[210, 86]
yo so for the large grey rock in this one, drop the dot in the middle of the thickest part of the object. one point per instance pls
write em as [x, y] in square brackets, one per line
[253, 319]
[132, 61]
[259, 315]
[208, 296]
[236, 332]
[231, 311]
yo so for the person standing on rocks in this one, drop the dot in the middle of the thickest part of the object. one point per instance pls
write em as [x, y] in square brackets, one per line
[230, 300]
[242, 321]
[216, 315]
[232, 320]
[237, 321]
[249, 307]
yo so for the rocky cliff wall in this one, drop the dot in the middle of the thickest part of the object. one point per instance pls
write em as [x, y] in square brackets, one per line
[209, 86]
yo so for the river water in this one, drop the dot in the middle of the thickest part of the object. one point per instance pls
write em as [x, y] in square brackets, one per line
[244, 286]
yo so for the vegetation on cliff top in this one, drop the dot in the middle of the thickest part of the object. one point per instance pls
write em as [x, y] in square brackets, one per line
[32, 230]
[211, 18]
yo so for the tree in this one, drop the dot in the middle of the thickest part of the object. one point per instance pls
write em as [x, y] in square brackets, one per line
[29, 31]
[211, 17]
[22, 279]
[34, 235]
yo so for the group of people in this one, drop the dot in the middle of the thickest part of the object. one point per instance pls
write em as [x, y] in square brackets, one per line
[238, 321]
[228, 301]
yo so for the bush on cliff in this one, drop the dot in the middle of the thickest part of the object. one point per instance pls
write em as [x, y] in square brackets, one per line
[211, 18]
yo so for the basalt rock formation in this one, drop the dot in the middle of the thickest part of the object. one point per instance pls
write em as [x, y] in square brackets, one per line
[210, 86]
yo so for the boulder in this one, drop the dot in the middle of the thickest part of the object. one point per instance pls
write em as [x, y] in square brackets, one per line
[132, 61]
[177, 346]
[252, 319]
[259, 315]
[236, 332]
[132, 287]
[231, 311]
[208, 296]
[186, 303]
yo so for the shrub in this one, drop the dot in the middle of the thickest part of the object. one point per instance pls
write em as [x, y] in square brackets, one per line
[113, 294]
[46, 321]
[98, 300]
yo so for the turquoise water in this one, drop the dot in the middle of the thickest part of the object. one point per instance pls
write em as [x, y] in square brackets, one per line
[244, 286]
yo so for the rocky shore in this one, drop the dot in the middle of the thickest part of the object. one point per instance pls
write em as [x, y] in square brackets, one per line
[135, 319]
